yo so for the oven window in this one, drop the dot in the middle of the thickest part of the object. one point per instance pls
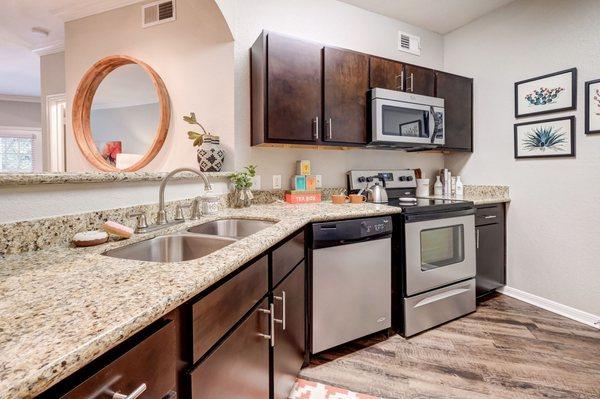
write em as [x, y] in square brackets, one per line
[442, 247]
[404, 122]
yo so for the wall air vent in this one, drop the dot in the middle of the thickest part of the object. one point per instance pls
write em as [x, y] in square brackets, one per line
[158, 12]
[409, 43]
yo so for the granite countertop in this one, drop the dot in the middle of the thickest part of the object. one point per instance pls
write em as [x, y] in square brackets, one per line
[20, 179]
[60, 308]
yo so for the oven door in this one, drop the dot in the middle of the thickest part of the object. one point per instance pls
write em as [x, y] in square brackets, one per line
[407, 123]
[440, 250]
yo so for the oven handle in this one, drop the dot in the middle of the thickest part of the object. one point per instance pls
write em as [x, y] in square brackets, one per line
[421, 217]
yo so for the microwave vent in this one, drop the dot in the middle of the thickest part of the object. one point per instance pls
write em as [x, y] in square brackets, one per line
[158, 12]
[409, 43]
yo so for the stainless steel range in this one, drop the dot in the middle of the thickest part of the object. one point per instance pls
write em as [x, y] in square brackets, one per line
[433, 247]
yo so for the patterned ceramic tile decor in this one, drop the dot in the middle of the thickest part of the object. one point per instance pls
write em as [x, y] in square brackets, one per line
[314, 390]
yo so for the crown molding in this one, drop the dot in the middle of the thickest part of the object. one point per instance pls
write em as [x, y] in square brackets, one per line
[51, 48]
[23, 99]
[90, 7]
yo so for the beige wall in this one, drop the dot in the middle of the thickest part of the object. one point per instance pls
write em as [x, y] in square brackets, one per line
[20, 114]
[553, 238]
[52, 77]
[334, 23]
[193, 55]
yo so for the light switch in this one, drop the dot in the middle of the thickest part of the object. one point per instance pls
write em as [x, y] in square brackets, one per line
[319, 180]
[276, 182]
[256, 182]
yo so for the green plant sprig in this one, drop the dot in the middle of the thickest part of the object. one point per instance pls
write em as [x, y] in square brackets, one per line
[197, 137]
[243, 180]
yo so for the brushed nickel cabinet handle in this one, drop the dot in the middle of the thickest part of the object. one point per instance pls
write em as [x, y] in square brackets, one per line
[271, 313]
[412, 81]
[133, 395]
[477, 231]
[398, 86]
[490, 217]
[330, 129]
[316, 122]
[282, 299]
[402, 80]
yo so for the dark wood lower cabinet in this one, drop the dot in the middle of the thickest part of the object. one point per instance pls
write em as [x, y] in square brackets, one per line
[490, 244]
[289, 301]
[239, 367]
[148, 367]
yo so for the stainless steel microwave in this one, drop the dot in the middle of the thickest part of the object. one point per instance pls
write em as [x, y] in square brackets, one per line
[406, 120]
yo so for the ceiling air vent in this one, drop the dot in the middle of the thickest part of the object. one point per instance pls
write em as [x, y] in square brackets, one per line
[409, 43]
[158, 12]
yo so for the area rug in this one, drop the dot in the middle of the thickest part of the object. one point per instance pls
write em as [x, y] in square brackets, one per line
[313, 390]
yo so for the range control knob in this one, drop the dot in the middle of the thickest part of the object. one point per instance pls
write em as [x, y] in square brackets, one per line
[409, 178]
[361, 179]
[370, 179]
[402, 178]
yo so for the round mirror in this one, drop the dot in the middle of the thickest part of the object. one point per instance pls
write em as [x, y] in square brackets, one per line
[120, 114]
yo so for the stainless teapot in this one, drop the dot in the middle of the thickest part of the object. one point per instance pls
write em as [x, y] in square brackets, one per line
[376, 194]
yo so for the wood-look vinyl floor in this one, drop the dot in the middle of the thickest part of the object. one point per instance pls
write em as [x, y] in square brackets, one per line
[507, 349]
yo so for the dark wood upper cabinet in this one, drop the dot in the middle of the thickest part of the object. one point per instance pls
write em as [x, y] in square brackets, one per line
[290, 343]
[285, 90]
[386, 74]
[346, 82]
[419, 80]
[457, 91]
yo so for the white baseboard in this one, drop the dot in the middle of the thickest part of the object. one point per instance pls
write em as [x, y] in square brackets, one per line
[554, 307]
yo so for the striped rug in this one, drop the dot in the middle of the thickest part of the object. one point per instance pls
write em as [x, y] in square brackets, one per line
[314, 390]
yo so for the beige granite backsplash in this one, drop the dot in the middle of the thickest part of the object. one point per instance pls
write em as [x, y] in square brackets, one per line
[33, 235]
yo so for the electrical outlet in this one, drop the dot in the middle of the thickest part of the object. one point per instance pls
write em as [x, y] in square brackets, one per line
[256, 182]
[319, 180]
[276, 182]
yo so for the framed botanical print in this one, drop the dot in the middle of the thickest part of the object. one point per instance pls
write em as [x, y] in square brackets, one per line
[545, 94]
[545, 139]
[592, 106]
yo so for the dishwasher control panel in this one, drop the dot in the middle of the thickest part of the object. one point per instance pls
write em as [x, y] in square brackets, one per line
[348, 231]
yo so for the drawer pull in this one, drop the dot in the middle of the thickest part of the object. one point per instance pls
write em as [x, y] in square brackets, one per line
[282, 299]
[490, 217]
[133, 395]
[271, 313]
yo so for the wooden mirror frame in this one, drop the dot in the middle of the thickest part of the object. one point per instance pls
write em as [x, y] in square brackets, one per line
[82, 105]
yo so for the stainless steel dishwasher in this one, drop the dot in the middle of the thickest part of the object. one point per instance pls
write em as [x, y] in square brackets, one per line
[350, 280]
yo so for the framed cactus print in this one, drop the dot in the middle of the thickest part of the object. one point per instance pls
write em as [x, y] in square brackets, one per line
[548, 138]
[592, 106]
[545, 94]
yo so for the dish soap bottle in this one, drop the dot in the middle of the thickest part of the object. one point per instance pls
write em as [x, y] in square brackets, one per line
[437, 187]
[459, 187]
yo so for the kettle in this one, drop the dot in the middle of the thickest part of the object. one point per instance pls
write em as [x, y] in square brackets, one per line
[377, 194]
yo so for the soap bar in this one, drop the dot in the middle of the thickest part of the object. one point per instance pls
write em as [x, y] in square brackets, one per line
[117, 229]
[89, 238]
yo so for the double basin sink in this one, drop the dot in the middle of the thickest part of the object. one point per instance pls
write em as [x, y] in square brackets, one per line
[197, 242]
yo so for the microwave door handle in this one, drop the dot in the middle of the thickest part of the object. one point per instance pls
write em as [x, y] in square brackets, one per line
[432, 124]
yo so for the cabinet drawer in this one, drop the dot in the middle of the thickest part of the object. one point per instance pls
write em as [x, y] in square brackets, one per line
[218, 311]
[287, 256]
[488, 214]
[239, 367]
[151, 362]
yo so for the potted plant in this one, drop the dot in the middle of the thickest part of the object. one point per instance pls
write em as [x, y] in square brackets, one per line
[242, 181]
[211, 155]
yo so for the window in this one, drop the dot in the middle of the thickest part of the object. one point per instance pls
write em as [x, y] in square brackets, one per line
[18, 150]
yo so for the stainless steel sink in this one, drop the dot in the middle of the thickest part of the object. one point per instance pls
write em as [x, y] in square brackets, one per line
[173, 248]
[234, 228]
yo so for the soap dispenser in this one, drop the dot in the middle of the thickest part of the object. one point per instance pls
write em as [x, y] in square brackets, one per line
[437, 187]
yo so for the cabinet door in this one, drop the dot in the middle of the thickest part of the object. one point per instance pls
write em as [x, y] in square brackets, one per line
[386, 74]
[346, 77]
[490, 257]
[419, 80]
[457, 91]
[294, 89]
[239, 367]
[290, 344]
